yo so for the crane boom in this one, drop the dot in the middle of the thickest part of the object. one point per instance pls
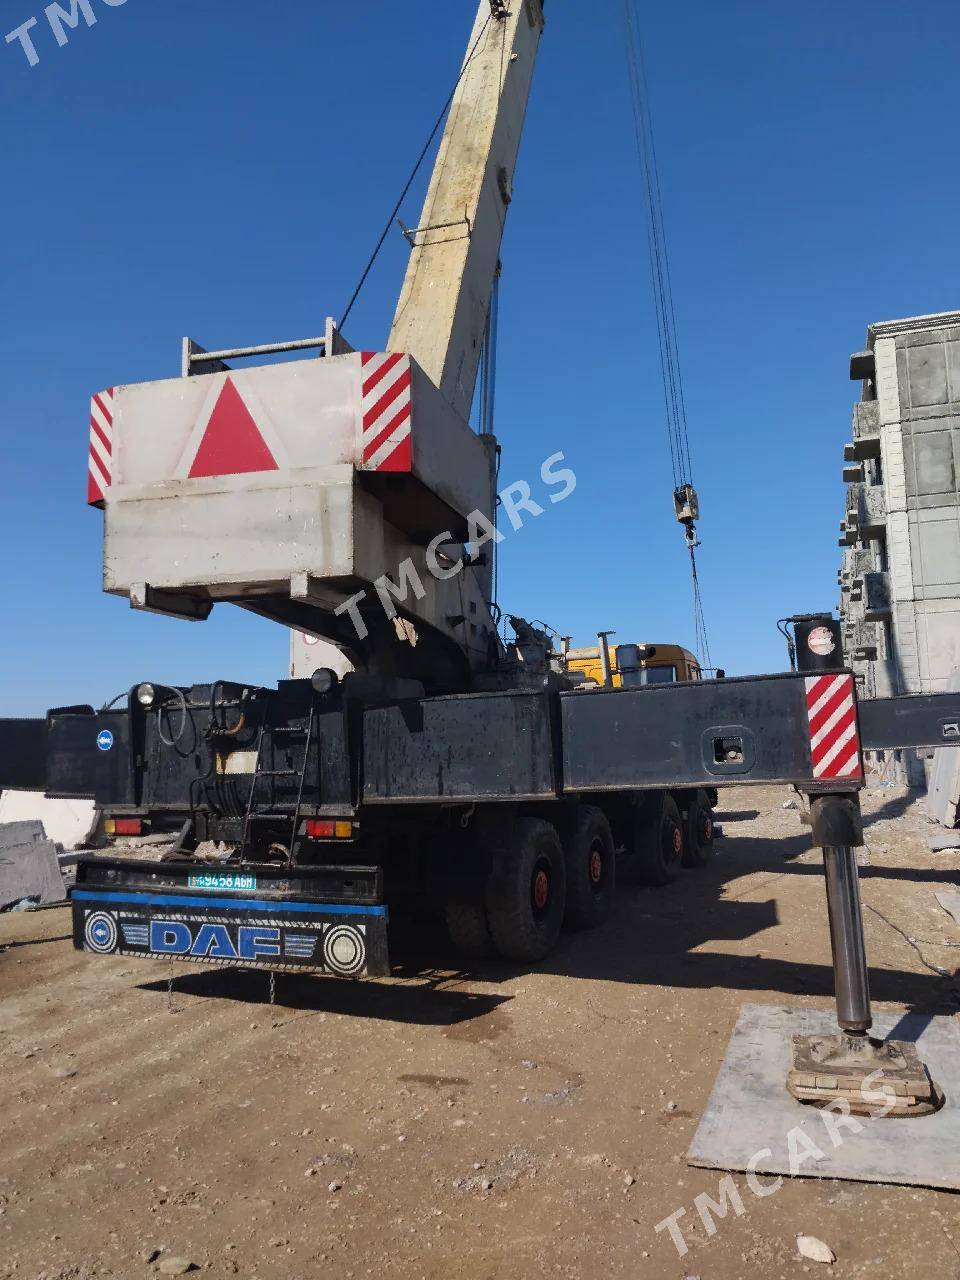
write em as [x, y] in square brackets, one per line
[442, 312]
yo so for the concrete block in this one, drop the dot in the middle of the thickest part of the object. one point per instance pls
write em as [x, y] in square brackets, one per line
[876, 597]
[866, 419]
[926, 368]
[866, 509]
[899, 557]
[865, 443]
[894, 467]
[28, 865]
[935, 553]
[930, 465]
[886, 382]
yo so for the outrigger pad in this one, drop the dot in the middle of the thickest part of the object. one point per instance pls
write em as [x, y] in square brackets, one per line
[874, 1077]
[752, 1124]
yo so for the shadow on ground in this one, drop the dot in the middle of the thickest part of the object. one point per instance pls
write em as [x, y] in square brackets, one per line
[424, 1004]
[895, 807]
[33, 942]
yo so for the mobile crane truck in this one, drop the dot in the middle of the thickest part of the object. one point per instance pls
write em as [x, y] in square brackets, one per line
[345, 495]
[340, 494]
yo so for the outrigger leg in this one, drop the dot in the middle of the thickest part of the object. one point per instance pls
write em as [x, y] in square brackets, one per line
[873, 1077]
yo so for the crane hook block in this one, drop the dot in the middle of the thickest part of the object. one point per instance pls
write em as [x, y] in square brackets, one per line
[686, 504]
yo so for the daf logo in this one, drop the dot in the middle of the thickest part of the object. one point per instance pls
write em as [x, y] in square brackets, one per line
[213, 941]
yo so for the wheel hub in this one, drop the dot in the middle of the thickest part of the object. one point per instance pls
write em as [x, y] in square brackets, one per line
[677, 841]
[541, 889]
[596, 866]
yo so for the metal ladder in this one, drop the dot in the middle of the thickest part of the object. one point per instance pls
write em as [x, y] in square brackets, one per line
[259, 773]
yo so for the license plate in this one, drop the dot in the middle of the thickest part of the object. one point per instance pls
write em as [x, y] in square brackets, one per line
[222, 880]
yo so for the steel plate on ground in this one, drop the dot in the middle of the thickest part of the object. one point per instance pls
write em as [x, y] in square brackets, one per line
[752, 1123]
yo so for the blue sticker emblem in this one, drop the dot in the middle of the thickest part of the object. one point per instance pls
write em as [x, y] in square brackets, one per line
[100, 932]
[104, 739]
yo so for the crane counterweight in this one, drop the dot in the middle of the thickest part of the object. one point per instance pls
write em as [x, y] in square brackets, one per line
[317, 491]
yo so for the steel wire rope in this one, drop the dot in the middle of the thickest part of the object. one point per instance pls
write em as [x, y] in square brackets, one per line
[678, 435]
[416, 169]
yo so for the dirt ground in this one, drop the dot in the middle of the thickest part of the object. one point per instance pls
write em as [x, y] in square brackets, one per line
[489, 1125]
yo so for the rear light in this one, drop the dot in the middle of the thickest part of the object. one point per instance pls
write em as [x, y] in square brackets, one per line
[328, 829]
[123, 826]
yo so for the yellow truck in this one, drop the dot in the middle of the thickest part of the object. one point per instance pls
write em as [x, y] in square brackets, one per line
[634, 664]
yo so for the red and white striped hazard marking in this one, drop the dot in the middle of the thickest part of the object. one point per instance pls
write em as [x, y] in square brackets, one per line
[100, 466]
[386, 442]
[832, 714]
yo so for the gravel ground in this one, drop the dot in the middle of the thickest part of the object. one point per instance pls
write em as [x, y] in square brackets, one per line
[490, 1125]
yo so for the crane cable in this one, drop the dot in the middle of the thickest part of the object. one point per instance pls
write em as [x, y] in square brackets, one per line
[678, 436]
[702, 644]
[416, 169]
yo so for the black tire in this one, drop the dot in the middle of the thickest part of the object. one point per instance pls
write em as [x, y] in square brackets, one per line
[468, 929]
[659, 844]
[526, 891]
[591, 870]
[698, 831]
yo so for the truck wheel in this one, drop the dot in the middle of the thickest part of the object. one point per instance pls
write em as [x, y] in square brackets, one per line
[468, 929]
[591, 870]
[659, 844]
[698, 831]
[526, 892]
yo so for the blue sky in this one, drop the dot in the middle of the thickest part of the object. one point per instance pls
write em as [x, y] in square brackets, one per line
[224, 169]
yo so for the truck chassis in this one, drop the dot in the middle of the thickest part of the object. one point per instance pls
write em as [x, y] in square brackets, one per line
[306, 812]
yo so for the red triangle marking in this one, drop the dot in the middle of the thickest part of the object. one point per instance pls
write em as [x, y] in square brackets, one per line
[232, 443]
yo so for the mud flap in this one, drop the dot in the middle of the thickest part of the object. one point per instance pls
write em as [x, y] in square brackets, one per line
[347, 940]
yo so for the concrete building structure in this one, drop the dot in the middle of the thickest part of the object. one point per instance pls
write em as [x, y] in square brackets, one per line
[900, 573]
